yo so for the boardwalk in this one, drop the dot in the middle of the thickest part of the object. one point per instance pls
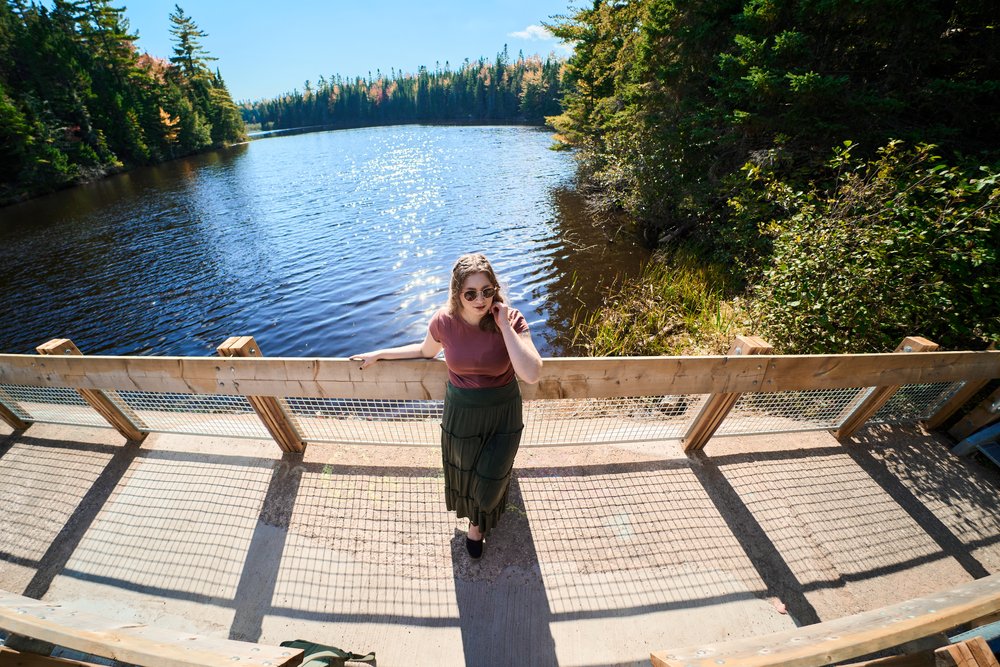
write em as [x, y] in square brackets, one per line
[607, 552]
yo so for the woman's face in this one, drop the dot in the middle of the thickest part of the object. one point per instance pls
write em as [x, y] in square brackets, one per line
[473, 311]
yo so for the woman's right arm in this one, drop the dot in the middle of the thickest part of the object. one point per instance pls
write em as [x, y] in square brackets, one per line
[428, 350]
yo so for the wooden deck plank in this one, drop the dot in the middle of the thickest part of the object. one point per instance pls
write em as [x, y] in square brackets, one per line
[849, 637]
[132, 642]
[11, 658]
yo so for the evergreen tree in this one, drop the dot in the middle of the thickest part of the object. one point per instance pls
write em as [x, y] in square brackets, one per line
[524, 91]
[717, 119]
[189, 55]
[77, 101]
[668, 99]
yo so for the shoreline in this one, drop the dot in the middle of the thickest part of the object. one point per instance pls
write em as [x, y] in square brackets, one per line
[100, 173]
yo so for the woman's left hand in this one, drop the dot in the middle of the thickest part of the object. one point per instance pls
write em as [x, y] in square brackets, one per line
[523, 355]
[501, 314]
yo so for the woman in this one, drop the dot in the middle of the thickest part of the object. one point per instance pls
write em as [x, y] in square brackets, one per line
[486, 343]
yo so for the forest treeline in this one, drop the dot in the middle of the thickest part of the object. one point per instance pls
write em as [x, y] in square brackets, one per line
[78, 101]
[523, 91]
[836, 161]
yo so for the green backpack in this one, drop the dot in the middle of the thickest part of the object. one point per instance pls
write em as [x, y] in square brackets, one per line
[321, 655]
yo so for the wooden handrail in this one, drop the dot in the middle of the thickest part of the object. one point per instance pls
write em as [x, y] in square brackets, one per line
[849, 637]
[561, 377]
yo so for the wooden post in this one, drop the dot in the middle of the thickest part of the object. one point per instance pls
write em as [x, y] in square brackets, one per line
[951, 406]
[718, 405]
[973, 652]
[992, 617]
[97, 399]
[981, 416]
[961, 397]
[868, 407]
[7, 404]
[268, 408]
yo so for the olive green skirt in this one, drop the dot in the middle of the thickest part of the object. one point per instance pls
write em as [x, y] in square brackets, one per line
[480, 432]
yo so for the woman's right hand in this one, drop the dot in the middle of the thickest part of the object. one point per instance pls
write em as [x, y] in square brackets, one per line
[427, 349]
[366, 359]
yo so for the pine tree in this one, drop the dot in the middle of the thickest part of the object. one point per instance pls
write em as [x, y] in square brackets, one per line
[216, 116]
[189, 55]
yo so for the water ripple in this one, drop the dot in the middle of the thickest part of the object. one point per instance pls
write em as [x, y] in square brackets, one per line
[320, 244]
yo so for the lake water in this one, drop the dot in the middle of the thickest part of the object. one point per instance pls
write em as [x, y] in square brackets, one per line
[323, 244]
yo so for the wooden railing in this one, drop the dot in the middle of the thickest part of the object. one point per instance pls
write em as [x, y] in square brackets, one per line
[749, 369]
[267, 382]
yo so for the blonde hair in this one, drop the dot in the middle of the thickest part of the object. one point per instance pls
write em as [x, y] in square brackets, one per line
[469, 265]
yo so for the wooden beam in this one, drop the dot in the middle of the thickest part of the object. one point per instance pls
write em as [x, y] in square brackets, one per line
[561, 378]
[951, 406]
[97, 399]
[11, 658]
[993, 617]
[849, 637]
[717, 406]
[980, 417]
[881, 395]
[973, 652]
[916, 659]
[7, 414]
[965, 393]
[133, 643]
[277, 421]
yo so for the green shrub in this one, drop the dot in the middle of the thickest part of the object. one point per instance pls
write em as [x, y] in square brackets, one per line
[901, 245]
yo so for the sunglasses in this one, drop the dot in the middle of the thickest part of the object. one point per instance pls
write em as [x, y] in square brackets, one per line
[487, 292]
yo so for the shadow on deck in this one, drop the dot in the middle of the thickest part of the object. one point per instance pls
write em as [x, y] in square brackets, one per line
[606, 553]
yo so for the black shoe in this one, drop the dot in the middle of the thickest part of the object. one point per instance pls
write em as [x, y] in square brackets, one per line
[474, 547]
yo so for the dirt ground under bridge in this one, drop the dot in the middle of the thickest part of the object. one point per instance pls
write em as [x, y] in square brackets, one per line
[605, 554]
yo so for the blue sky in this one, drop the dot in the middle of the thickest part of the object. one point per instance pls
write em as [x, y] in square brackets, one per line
[266, 48]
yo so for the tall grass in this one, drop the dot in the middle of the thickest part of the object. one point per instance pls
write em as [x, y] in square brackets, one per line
[679, 305]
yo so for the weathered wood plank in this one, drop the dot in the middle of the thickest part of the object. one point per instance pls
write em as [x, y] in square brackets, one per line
[268, 409]
[918, 659]
[561, 378]
[849, 637]
[878, 398]
[970, 653]
[988, 619]
[132, 642]
[12, 658]
[97, 399]
[715, 409]
[981, 416]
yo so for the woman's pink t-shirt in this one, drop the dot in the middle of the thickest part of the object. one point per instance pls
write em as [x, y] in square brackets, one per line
[476, 359]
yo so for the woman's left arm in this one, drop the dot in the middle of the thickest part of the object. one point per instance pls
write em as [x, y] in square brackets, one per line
[524, 357]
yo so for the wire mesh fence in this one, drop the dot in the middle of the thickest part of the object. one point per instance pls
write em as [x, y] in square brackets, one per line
[548, 422]
[366, 421]
[605, 420]
[914, 402]
[54, 405]
[789, 411]
[191, 414]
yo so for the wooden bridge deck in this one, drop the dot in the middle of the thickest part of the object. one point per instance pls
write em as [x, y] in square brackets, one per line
[607, 552]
